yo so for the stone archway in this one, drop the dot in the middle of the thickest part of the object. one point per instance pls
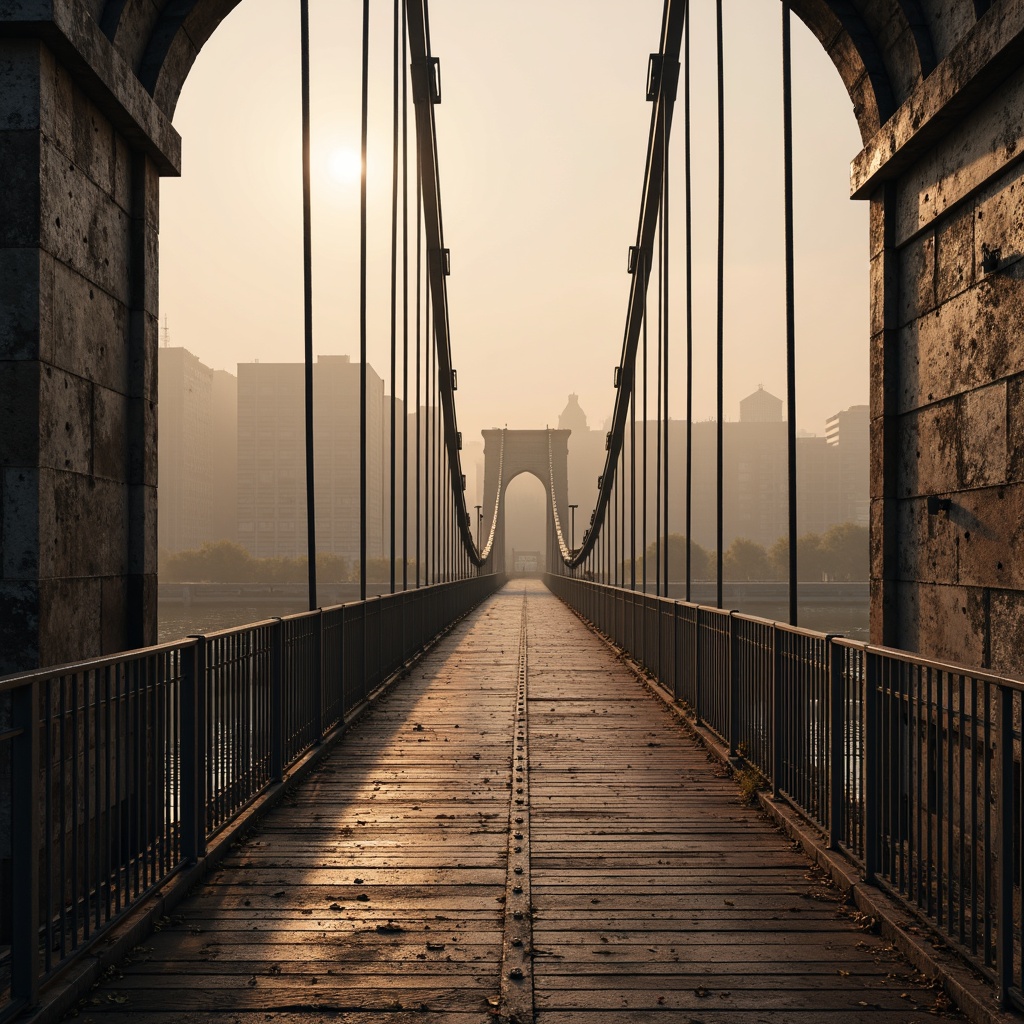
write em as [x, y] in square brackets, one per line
[524, 451]
[87, 92]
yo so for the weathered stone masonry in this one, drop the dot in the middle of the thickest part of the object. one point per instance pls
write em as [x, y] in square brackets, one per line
[87, 90]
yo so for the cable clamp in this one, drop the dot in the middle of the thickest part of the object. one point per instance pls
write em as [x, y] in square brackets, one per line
[426, 80]
[654, 68]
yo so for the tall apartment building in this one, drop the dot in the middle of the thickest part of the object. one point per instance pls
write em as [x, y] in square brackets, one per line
[195, 451]
[271, 458]
[849, 433]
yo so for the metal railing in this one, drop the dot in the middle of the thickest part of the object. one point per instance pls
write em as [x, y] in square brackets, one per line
[909, 766]
[116, 772]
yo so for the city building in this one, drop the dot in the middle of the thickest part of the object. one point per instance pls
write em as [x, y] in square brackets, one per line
[849, 433]
[272, 466]
[196, 442]
[832, 472]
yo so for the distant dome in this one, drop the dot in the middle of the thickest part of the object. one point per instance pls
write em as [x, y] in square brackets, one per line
[573, 417]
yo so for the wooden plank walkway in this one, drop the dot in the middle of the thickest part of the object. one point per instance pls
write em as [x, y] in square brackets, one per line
[519, 766]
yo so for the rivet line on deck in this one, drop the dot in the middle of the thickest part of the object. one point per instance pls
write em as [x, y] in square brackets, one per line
[516, 1002]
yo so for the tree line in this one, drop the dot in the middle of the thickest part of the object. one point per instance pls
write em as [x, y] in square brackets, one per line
[840, 554]
[224, 561]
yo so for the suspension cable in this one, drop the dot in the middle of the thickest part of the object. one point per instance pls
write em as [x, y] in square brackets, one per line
[720, 312]
[787, 135]
[405, 303]
[426, 95]
[419, 395]
[307, 281]
[662, 81]
[394, 279]
[362, 304]
[643, 485]
[688, 205]
[659, 526]
[665, 289]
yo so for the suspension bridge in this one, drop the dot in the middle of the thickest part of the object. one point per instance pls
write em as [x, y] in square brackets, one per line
[472, 797]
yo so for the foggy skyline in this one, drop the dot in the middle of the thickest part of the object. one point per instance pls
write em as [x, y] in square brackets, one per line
[541, 162]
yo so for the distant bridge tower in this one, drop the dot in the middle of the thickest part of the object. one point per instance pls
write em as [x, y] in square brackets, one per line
[526, 451]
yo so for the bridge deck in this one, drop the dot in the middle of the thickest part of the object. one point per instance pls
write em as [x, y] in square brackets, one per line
[386, 887]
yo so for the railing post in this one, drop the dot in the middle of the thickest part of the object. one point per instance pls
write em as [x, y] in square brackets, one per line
[734, 687]
[872, 753]
[696, 667]
[777, 716]
[25, 845]
[277, 701]
[193, 751]
[837, 746]
[1004, 881]
[318, 657]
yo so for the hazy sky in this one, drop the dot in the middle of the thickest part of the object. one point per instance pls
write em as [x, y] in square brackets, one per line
[542, 137]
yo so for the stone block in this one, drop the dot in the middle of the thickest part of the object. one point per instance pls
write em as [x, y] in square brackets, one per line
[927, 544]
[955, 259]
[111, 435]
[20, 102]
[90, 330]
[916, 287]
[20, 195]
[84, 526]
[962, 162]
[114, 603]
[948, 23]
[83, 227]
[123, 157]
[989, 525]
[179, 60]
[20, 524]
[19, 413]
[876, 227]
[69, 619]
[983, 455]
[999, 218]
[1006, 613]
[947, 623]
[77, 130]
[143, 355]
[880, 508]
[20, 302]
[146, 261]
[65, 421]
[142, 559]
[877, 293]
[19, 626]
[929, 451]
[1015, 429]
[939, 354]
[141, 441]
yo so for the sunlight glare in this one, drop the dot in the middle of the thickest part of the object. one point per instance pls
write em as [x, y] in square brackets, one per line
[344, 165]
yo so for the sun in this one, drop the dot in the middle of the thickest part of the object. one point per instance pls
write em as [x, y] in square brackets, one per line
[344, 165]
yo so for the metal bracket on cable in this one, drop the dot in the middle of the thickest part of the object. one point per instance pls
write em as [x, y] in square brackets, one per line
[634, 259]
[426, 80]
[654, 69]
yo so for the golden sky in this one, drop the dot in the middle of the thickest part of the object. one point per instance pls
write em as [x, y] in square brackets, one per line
[542, 137]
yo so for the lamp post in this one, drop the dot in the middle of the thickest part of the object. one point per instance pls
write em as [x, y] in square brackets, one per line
[572, 510]
[479, 520]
